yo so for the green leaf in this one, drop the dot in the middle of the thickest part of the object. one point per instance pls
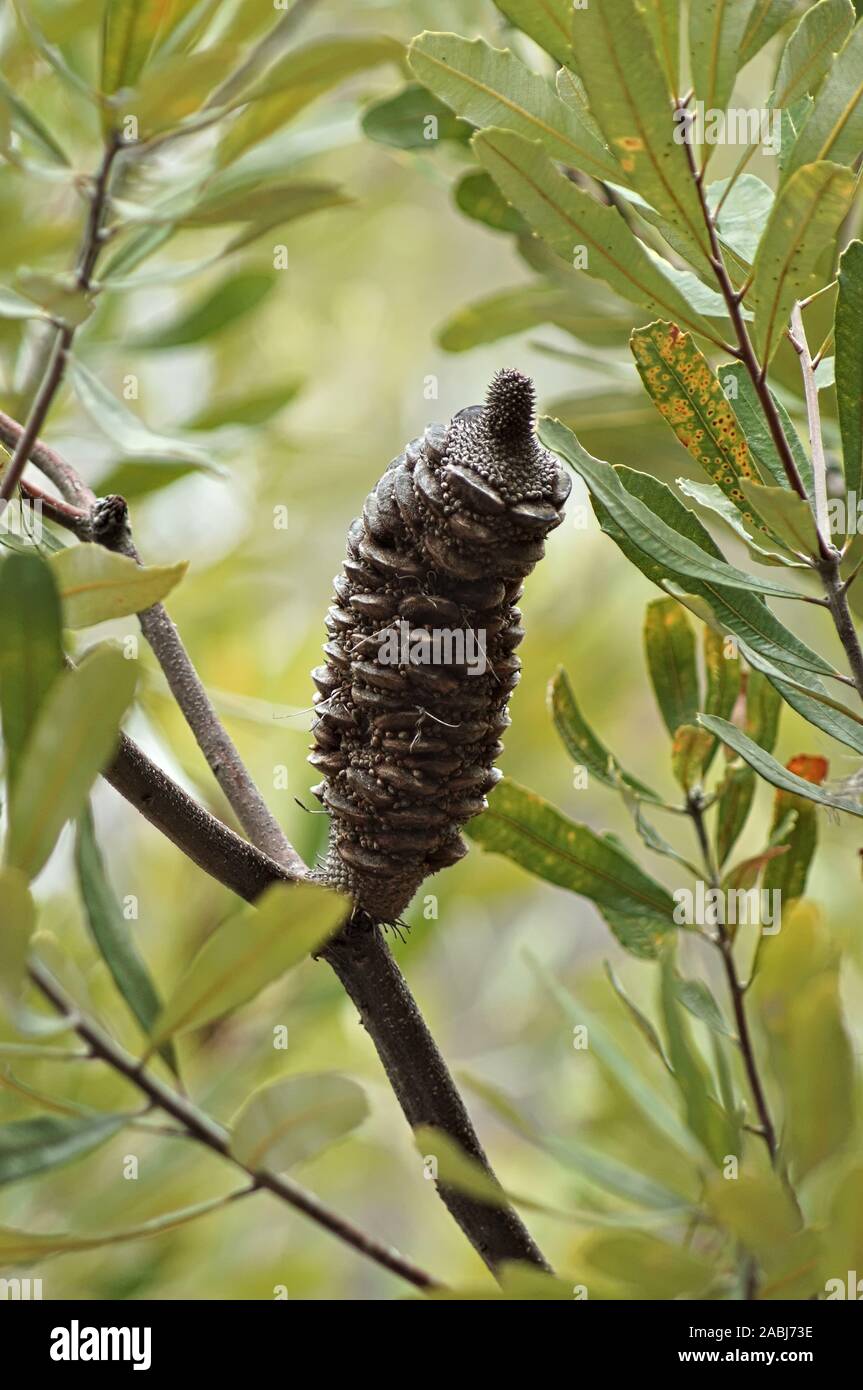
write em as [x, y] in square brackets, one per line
[525, 828]
[695, 996]
[669, 644]
[28, 1147]
[733, 807]
[71, 742]
[772, 771]
[650, 1103]
[403, 121]
[738, 386]
[714, 500]
[491, 87]
[716, 34]
[28, 124]
[175, 88]
[788, 516]
[638, 1017]
[763, 708]
[295, 1119]
[127, 431]
[797, 995]
[19, 921]
[795, 828]
[581, 742]
[806, 216]
[457, 1169]
[811, 49]
[548, 23]
[296, 80]
[744, 615]
[708, 1122]
[96, 585]
[662, 18]
[129, 32]
[478, 196]
[26, 1248]
[638, 1265]
[256, 408]
[571, 221]
[111, 934]
[248, 952]
[833, 128]
[527, 306]
[766, 18]
[219, 308]
[31, 650]
[743, 214]
[676, 552]
[849, 363]
[14, 306]
[628, 96]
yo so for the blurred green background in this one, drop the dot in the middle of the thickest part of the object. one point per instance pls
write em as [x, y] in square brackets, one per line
[353, 320]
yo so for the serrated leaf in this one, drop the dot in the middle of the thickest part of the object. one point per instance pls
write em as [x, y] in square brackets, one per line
[772, 771]
[615, 58]
[548, 23]
[525, 828]
[414, 119]
[787, 514]
[669, 644]
[738, 386]
[31, 650]
[806, 216]
[581, 742]
[129, 432]
[570, 220]
[71, 741]
[218, 309]
[811, 49]
[104, 917]
[293, 1120]
[96, 585]
[248, 952]
[646, 529]
[28, 1147]
[849, 363]
[492, 87]
[833, 127]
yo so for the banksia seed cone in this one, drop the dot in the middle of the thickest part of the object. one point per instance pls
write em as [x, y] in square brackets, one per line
[412, 699]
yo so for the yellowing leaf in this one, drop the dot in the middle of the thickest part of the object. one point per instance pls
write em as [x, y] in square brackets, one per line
[96, 584]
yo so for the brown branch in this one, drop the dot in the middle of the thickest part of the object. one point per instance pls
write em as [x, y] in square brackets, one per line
[201, 1127]
[830, 558]
[362, 961]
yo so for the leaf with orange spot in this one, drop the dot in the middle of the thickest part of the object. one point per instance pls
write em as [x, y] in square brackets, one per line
[687, 394]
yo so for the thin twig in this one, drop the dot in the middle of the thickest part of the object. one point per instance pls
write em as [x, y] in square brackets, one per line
[201, 1127]
[88, 254]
